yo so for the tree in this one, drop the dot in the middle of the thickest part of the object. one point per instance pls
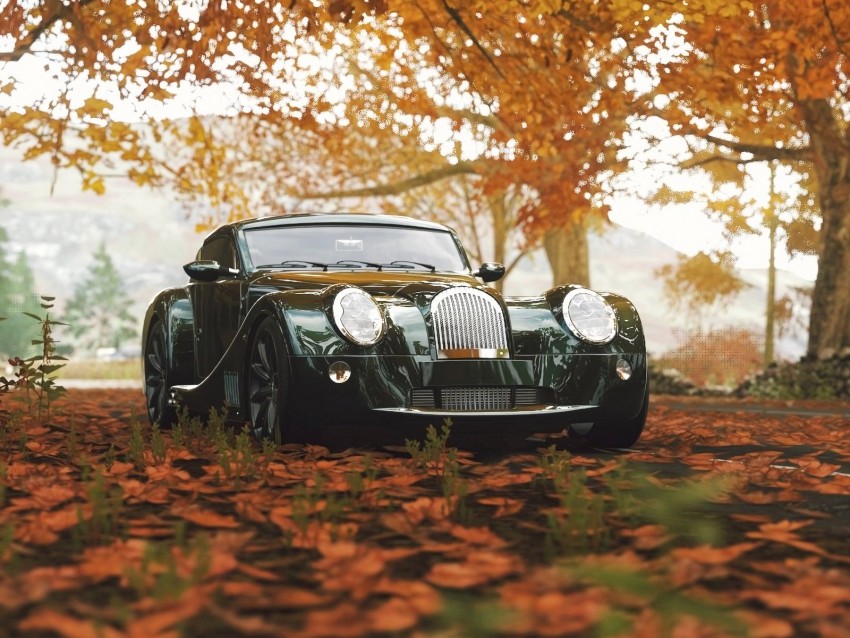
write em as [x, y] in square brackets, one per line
[17, 296]
[768, 82]
[541, 88]
[545, 88]
[700, 282]
[98, 313]
[732, 194]
[485, 222]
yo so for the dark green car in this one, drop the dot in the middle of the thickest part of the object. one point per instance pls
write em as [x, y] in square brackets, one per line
[294, 323]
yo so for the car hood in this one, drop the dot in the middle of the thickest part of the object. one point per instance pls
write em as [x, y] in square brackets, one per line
[393, 284]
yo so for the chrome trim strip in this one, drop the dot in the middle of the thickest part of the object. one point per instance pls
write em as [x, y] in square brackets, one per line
[530, 410]
[474, 353]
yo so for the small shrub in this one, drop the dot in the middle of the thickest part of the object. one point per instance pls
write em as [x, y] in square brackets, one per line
[714, 357]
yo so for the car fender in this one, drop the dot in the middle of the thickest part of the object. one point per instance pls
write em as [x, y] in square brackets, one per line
[174, 308]
[538, 326]
[309, 329]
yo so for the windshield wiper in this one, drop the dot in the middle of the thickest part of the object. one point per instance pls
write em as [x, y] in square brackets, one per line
[406, 263]
[354, 263]
[296, 263]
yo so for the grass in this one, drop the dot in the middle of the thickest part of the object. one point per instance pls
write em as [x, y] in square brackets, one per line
[130, 369]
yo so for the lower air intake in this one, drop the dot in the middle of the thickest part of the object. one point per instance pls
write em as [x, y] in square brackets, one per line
[472, 399]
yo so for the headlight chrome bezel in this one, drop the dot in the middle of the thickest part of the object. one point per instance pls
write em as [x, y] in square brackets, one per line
[342, 316]
[573, 323]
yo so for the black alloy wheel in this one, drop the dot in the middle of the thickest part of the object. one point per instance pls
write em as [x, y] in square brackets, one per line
[268, 382]
[157, 387]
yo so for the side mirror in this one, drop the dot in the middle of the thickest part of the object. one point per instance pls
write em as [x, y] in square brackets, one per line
[208, 270]
[490, 271]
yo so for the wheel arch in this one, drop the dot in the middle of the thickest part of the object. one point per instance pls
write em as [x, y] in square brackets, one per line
[173, 308]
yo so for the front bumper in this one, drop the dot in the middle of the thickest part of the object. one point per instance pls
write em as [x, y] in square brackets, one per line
[556, 390]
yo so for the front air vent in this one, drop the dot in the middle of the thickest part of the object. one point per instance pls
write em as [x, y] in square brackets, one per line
[475, 398]
[478, 398]
[527, 396]
[422, 398]
[469, 323]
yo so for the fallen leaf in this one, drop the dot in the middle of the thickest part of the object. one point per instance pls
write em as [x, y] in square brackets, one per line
[393, 615]
[505, 506]
[204, 517]
[708, 555]
[480, 567]
[46, 619]
[478, 536]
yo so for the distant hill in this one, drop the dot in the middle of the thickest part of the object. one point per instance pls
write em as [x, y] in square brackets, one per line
[150, 238]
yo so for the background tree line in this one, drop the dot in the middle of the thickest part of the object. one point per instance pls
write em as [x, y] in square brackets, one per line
[96, 314]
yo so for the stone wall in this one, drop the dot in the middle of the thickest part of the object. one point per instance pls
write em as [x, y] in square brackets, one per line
[808, 378]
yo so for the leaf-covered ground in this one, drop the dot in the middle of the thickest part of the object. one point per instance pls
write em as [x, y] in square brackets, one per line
[717, 523]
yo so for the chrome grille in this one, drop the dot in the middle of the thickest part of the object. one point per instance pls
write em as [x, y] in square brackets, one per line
[470, 399]
[422, 398]
[469, 323]
[526, 396]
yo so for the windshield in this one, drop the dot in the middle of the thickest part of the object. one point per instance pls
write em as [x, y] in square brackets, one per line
[339, 246]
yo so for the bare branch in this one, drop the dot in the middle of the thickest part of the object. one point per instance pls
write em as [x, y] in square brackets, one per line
[761, 151]
[455, 15]
[396, 188]
[58, 10]
[838, 41]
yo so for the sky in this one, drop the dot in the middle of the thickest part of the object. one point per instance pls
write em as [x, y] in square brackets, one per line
[689, 230]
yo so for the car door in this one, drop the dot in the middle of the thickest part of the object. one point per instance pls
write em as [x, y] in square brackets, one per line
[216, 305]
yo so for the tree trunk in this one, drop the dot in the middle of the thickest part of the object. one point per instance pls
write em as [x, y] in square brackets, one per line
[498, 214]
[567, 252]
[829, 325]
[770, 314]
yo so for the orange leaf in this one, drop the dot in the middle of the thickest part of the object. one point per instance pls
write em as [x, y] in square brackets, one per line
[46, 619]
[708, 555]
[814, 467]
[478, 536]
[506, 506]
[478, 569]
[393, 615]
[205, 518]
[648, 536]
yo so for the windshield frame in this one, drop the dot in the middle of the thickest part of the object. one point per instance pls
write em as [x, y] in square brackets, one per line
[251, 266]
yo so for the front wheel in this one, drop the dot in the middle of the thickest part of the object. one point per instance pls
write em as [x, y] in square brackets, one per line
[268, 383]
[157, 387]
[617, 433]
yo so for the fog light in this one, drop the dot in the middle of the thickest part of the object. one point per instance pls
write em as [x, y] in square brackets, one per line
[624, 369]
[339, 372]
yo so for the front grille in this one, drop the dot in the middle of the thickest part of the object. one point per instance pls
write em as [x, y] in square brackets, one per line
[475, 398]
[422, 398]
[527, 396]
[468, 320]
[472, 398]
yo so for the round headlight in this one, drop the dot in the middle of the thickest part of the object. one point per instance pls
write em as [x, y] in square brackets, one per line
[358, 317]
[589, 316]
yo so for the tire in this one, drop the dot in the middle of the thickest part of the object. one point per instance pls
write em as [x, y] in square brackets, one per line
[157, 386]
[619, 433]
[268, 384]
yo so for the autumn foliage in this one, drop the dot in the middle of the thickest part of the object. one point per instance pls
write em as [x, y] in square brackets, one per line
[714, 525]
[357, 98]
[714, 357]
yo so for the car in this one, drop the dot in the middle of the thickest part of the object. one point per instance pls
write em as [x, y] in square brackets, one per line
[296, 323]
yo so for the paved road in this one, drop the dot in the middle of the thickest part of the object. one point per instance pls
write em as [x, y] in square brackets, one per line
[754, 407]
